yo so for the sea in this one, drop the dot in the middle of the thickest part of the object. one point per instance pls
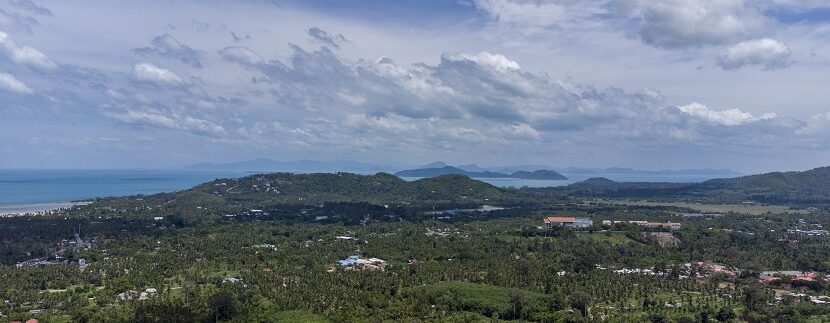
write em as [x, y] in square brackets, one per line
[23, 191]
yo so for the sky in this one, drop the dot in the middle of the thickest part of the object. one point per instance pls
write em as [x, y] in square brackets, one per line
[662, 84]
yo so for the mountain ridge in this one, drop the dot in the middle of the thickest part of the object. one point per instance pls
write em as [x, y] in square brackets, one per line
[791, 187]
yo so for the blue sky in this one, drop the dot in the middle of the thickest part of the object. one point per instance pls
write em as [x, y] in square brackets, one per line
[666, 84]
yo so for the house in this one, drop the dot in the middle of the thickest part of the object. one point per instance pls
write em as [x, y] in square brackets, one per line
[142, 296]
[566, 221]
[820, 299]
[349, 261]
[768, 277]
[707, 269]
[265, 246]
[809, 232]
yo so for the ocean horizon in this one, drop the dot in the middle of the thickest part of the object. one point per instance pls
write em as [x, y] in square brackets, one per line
[23, 191]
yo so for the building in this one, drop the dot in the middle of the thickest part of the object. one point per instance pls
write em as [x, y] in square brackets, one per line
[809, 232]
[357, 263]
[769, 277]
[653, 225]
[566, 221]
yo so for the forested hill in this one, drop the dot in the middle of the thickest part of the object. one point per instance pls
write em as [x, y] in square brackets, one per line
[603, 187]
[269, 190]
[347, 187]
[812, 186]
[805, 187]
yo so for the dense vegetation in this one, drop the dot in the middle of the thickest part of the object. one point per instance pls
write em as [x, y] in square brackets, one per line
[810, 187]
[264, 248]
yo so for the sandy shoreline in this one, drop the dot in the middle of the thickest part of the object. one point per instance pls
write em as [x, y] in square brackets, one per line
[34, 208]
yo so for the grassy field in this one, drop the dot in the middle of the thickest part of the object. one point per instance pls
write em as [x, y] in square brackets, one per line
[753, 209]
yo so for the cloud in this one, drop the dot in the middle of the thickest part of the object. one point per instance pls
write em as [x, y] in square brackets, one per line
[17, 22]
[31, 7]
[534, 13]
[766, 53]
[147, 72]
[168, 46]
[521, 131]
[477, 101]
[325, 38]
[693, 23]
[496, 61]
[20, 18]
[9, 83]
[24, 55]
[161, 120]
[520, 98]
[241, 55]
[731, 117]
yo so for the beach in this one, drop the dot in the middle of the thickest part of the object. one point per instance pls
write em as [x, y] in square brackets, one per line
[34, 209]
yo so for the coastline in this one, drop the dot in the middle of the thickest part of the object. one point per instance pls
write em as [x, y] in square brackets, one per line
[35, 208]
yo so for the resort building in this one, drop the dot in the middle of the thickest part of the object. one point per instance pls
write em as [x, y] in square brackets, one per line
[357, 263]
[658, 225]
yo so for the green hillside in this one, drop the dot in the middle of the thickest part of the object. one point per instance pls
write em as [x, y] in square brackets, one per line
[264, 191]
[812, 186]
[804, 187]
[379, 188]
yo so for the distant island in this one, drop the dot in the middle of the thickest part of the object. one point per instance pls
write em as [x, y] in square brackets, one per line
[541, 174]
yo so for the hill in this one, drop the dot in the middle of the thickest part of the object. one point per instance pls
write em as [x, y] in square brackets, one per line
[283, 189]
[539, 174]
[799, 187]
[811, 186]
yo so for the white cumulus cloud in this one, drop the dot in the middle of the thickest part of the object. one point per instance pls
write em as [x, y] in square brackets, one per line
[730, 117]
[765, 53]
[497, 61]
[24, 55]
[11, 84]
[150, 73]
